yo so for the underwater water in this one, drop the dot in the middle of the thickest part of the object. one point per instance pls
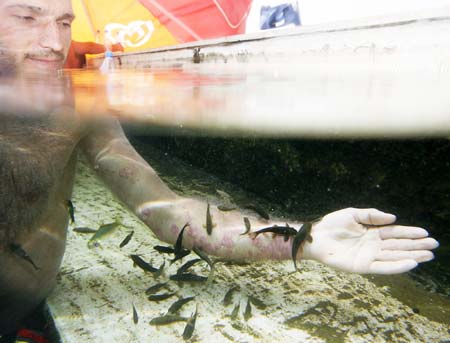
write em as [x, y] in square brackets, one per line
[179, 123]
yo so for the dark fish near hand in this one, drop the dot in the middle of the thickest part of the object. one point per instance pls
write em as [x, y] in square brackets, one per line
[143, 265]
[178, 248]
[18, 250]
[84, 230]
[103, 231]
[126, 240]
[184, 268]
[179, 243]
[155, 288]
[163, 249]
[304, 233]
[229, 295]
[209, 223]
[169, 319]
[71, 211]
[190, 326]
[247, 226]
[160, 297]
[135, 315]
[285, 231]
[177, 305]
[262, 213]
[188, 277]
[180, 255]
[248, 310]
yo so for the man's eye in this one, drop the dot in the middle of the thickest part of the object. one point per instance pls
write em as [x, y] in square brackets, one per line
[66, 24]
[26, 18]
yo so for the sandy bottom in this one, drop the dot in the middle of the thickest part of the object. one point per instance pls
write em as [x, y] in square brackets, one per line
[97, 288]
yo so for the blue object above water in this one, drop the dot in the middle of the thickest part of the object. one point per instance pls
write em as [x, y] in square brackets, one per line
[279, 16]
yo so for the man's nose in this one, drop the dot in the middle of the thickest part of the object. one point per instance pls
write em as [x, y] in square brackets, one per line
[51, 37]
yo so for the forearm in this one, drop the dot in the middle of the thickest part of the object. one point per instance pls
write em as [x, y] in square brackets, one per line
[226, 239]
[136, 184]
[124, 171]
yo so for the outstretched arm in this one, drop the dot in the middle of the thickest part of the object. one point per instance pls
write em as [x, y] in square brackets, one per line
[355, 240]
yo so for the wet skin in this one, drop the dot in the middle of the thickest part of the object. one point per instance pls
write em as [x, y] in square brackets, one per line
[36, 178]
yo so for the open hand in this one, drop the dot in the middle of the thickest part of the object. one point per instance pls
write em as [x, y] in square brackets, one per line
[366, 241]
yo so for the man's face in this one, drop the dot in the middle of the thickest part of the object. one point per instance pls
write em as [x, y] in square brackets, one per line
[35, 35]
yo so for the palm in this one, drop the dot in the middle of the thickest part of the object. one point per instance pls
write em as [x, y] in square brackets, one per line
[366, 241]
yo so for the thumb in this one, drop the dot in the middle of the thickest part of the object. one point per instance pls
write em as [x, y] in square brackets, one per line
[372, 216]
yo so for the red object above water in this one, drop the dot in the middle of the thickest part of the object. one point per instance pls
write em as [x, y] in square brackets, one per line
[190, 20]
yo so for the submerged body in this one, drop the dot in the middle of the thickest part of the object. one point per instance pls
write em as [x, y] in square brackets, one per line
[36, 184]
[38, 154]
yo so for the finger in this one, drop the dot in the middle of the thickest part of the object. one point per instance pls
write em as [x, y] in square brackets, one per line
[409, 244]
[395, 255]
[372, 216]
[395, 231]
[392, 267]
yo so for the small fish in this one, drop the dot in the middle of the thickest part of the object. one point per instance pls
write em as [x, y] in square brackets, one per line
[155, 288]
[209, 223]
[177, 305]
[84, 230]
[258, 303]
[178, 248]
[226, 207]
[304, 233]
[229, 295]
[190, 326]
[135, 315]
[285, 231]
[163, 249]
[205, 258]
[71, 211]
[184, 268]
[262, 213]
[160, 297]
[165, 320]
[180, 255]
[188, 277]
[18, 250]
[103, 231]
[235, 311]
[143, 265]
[248, 310]
[179, 243]
[247, 226]
[126, 240]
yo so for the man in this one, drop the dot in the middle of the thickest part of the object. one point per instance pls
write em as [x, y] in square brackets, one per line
[76, 57]
[37, 164]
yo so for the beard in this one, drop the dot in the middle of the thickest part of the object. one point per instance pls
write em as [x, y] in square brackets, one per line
[12, 62]
[7, 61]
